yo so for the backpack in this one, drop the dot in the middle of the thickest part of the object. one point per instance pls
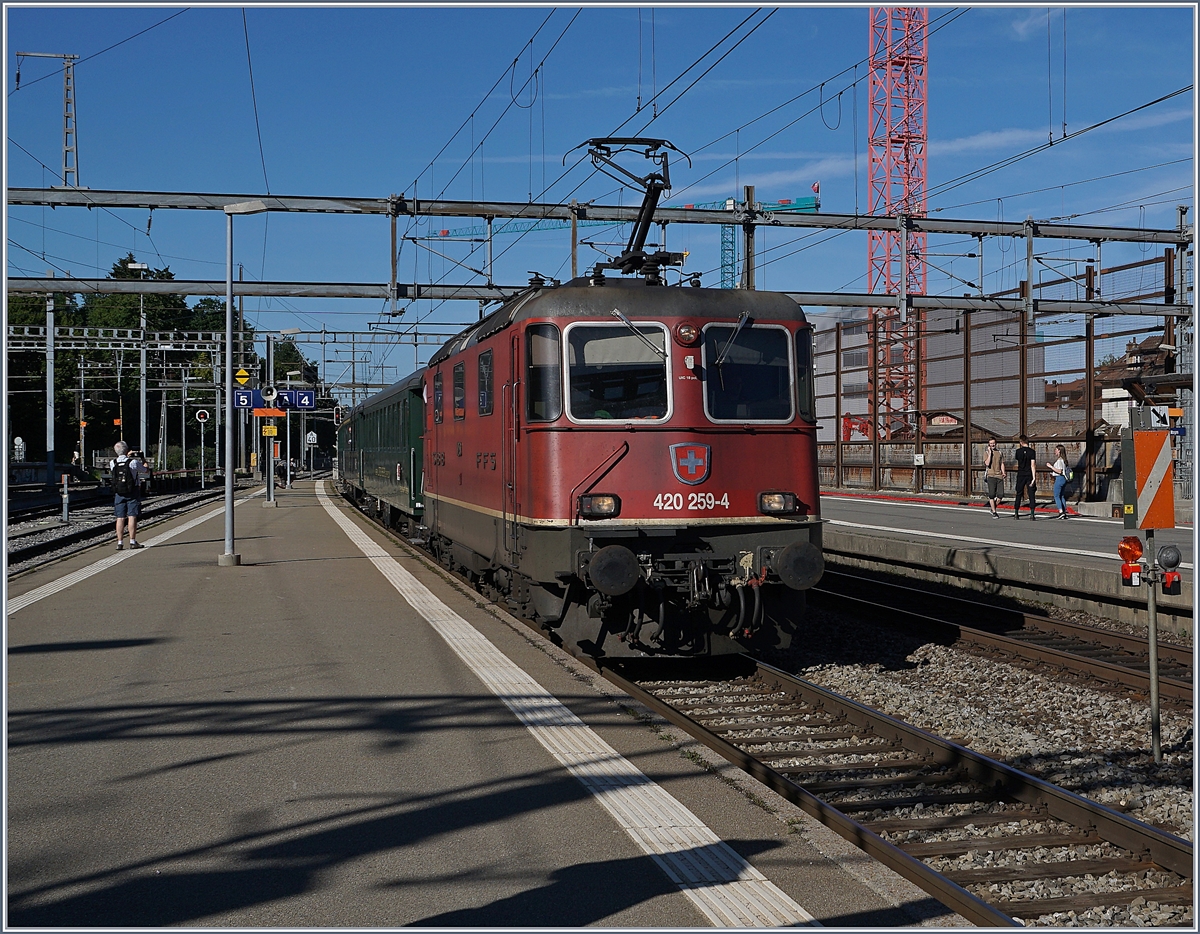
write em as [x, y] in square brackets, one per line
[123, 481]
[1069, 474]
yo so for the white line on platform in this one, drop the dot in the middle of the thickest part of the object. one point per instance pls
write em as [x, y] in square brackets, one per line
[727, 889]
[918, 533]
[922, 504]
[70, 580]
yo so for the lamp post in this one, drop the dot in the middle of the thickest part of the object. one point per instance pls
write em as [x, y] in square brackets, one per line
[290, 374]
[142, 425]
[229, 558]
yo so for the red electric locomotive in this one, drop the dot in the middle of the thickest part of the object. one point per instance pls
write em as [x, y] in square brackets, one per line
[631, 464]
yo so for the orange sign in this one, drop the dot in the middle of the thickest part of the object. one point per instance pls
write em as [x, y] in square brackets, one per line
[117, 422]
[270, 413]
[1155, 479]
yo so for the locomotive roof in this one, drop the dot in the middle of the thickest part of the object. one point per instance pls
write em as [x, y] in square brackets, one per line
[636, 298]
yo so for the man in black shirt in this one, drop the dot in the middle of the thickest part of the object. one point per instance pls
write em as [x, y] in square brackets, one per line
[1024, 457]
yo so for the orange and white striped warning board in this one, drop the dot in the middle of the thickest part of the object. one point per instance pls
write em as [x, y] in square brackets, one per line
[1155, 474]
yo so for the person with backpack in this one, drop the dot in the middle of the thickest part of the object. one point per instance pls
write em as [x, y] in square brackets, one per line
[126, 473]
[1062, 475]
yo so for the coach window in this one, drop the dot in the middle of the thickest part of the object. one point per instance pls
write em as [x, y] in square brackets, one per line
[543, 383]
[460, 391]
[437, 397]
[485, 383]
[806, 392]
[747, 373]
[617, 371]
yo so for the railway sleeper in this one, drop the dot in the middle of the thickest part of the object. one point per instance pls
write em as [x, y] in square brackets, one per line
[892, 804]
[728, 732]
[1064, 869]
[917, 779]
[949, 821]
[1036, 907]
[815, 752]
[865, 765]
[930, 848]
[776, 715]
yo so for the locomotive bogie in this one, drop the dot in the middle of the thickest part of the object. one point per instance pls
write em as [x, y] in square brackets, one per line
[630, 465]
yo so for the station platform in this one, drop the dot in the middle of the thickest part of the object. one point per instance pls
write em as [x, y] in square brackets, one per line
[1070, 562]
[335, 734]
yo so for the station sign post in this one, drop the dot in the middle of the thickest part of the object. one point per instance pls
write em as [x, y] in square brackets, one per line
[1148, 480]
[202, 417]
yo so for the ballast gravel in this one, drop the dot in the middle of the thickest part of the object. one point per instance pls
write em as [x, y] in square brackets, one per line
[1093, 743]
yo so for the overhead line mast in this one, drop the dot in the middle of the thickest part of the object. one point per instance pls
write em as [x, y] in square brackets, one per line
[70, 172]
[897, 184]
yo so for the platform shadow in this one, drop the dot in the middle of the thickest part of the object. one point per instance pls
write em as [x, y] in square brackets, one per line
[82, 645]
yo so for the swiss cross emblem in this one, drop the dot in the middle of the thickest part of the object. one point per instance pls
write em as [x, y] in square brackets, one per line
[690, 462]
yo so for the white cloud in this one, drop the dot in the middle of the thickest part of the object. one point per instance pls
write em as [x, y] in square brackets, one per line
[1031, 24]
[988, 140]
[769, 185]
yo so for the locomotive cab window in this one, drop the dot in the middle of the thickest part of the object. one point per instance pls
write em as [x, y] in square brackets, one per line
[543, 382]
[460, 391]
[805, 378]
[747, 373]
[485, 383]
[437, 398]
[617, 371]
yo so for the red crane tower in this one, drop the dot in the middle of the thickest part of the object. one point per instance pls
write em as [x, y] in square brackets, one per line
[899, 57]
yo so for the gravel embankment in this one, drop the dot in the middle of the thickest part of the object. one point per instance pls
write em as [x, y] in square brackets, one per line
[1090, 742]
[97, 519]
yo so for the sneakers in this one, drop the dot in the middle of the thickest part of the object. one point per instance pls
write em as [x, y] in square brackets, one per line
[1062, 515]
[1016, 515]
[120, 547]
[136, 545]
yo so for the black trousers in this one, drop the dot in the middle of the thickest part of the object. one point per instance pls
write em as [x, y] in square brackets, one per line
[1024, 485]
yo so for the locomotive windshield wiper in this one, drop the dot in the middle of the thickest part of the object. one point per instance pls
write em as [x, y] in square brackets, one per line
[741, 323]
[617, 313]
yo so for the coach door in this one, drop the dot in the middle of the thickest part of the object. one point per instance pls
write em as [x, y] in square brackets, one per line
[510, 406]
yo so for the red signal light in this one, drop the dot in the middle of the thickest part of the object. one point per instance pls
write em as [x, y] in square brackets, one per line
[1130, 549]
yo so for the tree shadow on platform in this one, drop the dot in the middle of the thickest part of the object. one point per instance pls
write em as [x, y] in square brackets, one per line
[574, 896]
[288, 860]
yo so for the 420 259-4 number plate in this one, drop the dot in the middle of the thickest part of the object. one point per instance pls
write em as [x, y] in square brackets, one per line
[675, 502]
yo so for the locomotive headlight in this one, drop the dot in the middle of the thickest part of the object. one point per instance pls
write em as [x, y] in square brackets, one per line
[686, 333]
[776, 504]
[600, 506]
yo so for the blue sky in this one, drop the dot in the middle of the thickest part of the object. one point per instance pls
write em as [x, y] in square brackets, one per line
[357, 102]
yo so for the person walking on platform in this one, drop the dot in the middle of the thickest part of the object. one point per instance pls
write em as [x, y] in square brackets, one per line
[1024, 455]
[126, 471]
[1060, 470]
[994, 475]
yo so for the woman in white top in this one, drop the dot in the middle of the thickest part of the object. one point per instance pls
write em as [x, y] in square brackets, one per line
[1059, 471]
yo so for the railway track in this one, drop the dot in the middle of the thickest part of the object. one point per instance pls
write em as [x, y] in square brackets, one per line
[62, 541]
[1111, 659]
[986, 840]
[26, 508]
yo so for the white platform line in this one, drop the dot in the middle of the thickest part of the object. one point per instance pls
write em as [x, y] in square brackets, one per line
[727, 889]
[70, 580]
[918, 533]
